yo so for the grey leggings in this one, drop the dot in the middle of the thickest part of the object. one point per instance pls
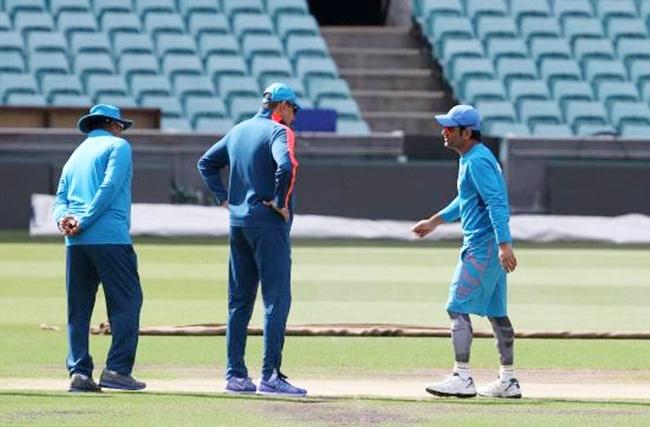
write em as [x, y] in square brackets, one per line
[462, 334]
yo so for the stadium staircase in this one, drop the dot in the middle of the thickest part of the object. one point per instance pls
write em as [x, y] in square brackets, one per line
[391, 75]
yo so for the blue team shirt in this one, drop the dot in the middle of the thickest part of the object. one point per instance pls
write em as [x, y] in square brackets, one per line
[95, 188]
[482, 200]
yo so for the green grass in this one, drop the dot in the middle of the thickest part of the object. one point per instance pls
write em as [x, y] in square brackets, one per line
[566, 288]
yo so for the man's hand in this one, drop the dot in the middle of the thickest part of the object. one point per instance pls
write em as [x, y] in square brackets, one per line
[426, 226]
[284, 212]
[69, 226]
[507, 257]
[224, 204]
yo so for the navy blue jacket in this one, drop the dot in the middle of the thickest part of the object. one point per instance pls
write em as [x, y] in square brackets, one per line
[261, 155]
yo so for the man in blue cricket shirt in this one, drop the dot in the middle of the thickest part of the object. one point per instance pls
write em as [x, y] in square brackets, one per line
[260, 154]
[479, 283]
[93, 211]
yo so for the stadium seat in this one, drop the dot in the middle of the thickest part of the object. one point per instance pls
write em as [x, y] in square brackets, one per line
[93, 63]
[89, 43]
[293, 82]
[219, 126]
[174, 124]
[59, 6]
[218, 44]
[609, 9]
[504, 130]
[234, 8]
[176, 64]
[571, 90]
[509, 48]
[17, 83]
[48, 62]
[261, 44]
[446, 28]
[207, 23]
[121, 101]
[53, 84]
[168, 105]
[609, 91]
[278, 68]
[217, 66]
[629, 113]
[535, 27]
[587, 49]
[552, 69]
[509, 69]
[625, 28]
[145, 85]
[98, 84]
[484, 90]
[352, 127]
[466, 68]
[275, 8]
[244, 24]
[156, 23]
[459, 48]
[119, 22]
[195, 86]
[124, 43]
[597, 70]
[11, 62]
[145, 7]
[5, 24]
[521, 90]
[26, 99]
[533, 111]
[212, 107]
[70, 23]
[576, 28]
[242, 108]
[639, 71]
[488, 27]
[496, 111]
[301, 45]
[13, 42]
[307, 67]
[116, 6]
[345, 108]
[296, 24]
[70, 100]
[521, 9]
[27, 22]
[432, 9]
[630, 50]
[175, 44]
[479, 8]
[635, 131]
[189, 7]
[572, 8]
[544, 130]
[130, 64]
[595, 129]
[543, 48]
[581, 112]
[14, 6]
[230, 86]
[322, 88]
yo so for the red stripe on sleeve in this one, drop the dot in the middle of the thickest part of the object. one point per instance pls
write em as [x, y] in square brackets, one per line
[291, 145]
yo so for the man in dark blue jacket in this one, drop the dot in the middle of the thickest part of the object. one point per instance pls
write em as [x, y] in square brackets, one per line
[260, 153]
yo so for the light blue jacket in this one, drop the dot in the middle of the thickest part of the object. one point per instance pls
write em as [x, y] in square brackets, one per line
[95, 188]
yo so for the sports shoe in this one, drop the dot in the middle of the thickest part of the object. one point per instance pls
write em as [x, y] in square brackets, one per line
[80, 383]
[111, 379]
[508, 389]
[453, 385]
[278, 385]
[235, 385]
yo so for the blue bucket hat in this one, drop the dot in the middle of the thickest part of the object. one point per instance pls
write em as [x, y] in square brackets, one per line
[461, 116]
[106, 111]
[279, 92]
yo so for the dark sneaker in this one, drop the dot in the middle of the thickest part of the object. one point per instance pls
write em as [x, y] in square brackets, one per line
[80, 383]
[235, 385]
[278, 385]
[111, 379]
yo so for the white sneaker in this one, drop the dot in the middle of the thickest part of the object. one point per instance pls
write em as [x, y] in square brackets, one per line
[453, 385]
[508, 389]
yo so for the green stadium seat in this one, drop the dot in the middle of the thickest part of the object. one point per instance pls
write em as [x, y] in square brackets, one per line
[572, 8]
[278, 68]
[294, 83]
[446, 28]
[261, 44]
[639, 71]
[523, 90]
[315, 67]
[218, 44]
[59, 6]
[596, 70]
[571, 90]
[14, 6]
[543, 48]
[608, 9]
[182, 44]
[230, 86]
[595, 129]
[275, 8]
[504, 130]
[41, 63]
[27, 22]
[588, 49]
[322, 88]
[168, 105]
[81, 43]
[630, 50]
[301, 45]
[130, 64]
[5, 24]
[509, 69]
[113, 23]
[145, 7]
[156, 23]
[544, 130]
[287, 25]
[628, 113]
[201, 106]
[11, 62]
[93, 63]
[484, 90]
[121, 101]
[521, 9]
[217, 66]
[12, 41]
[488, 27]
[535, 27]
[345, 108]
[244, 24]
[146, 85]
[76, 22]
[508, 48]
[53, 84]
[17, 83]
[177, 64]
[242, 108]
[104, 6]
[478, 8]
[98, 84]
[219, 126]
[432, 9]
[26, 99]
[131, 43]
[496, 111]
[610, 91]
[582, 112]
[175, 124]
[46, 42]
[189, 7]
[471, 68]
[552, 69]
[576, 28]
[195, 86]
[207, 23]
[232, 8]
[618, 29]
[533, 111]
[70, 100]
[635, 131]
[459, 48]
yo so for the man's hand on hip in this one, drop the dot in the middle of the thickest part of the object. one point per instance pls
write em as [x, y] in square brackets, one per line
[284, 212]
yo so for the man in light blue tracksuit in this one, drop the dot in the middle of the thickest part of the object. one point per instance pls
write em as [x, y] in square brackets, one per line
[260, 154]
[93, 210]
[479, 283]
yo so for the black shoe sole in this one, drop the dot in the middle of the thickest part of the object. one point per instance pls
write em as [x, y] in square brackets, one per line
[441, 394]
[120, 387]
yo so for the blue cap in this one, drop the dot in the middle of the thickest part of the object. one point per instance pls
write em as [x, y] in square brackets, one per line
[461, 116]
[102, 110]
[279, 92]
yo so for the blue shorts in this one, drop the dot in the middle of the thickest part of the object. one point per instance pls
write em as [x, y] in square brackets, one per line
[479, 282]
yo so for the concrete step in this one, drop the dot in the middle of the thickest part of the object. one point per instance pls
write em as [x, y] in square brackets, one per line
[406, 100]
[392, 79]
[369, 37]
[411, 122]
[350, 57]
